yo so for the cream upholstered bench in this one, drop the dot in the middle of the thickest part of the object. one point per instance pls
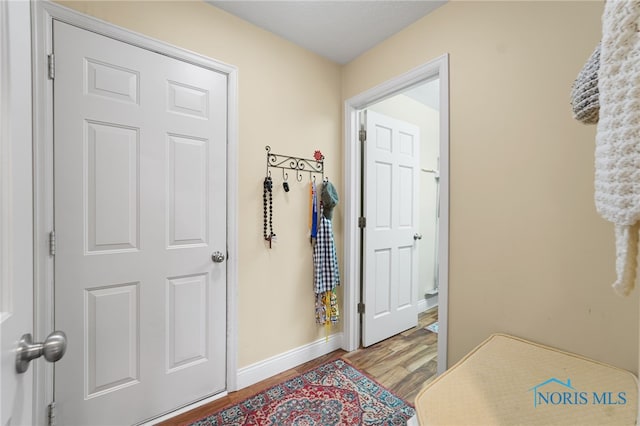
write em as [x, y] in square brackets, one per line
[510, 381]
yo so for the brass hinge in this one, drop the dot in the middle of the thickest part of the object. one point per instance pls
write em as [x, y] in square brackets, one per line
[51, 63]
[362, 222]
[361, 308]
[51, 414]
[52, 243]
[362, 135]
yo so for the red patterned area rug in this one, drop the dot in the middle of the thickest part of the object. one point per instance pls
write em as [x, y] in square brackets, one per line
[335, 393]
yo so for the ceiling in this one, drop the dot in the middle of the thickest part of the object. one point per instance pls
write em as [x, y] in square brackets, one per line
[338, 30]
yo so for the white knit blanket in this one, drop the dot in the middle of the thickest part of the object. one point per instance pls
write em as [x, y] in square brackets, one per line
[617, 157]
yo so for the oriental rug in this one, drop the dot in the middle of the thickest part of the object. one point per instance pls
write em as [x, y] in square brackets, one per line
[334, 393]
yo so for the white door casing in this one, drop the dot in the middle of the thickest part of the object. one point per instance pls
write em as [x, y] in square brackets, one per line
[140, 206]
[438, 67]
[392, 160]
[16, 227]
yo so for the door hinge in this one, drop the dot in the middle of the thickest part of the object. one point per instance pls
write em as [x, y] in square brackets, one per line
[361, 308]
[51, 62]
[362, 222]
[52, 243]
[51, 414]
[363, 135]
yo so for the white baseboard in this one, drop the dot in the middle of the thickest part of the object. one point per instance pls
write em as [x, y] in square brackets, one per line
[427, 303]
[254, 373]
[422, 305]
[432, 302]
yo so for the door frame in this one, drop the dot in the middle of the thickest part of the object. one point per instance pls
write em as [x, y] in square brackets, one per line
[43, 15]
[438, 67]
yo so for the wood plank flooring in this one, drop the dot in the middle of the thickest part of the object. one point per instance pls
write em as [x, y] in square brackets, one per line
[404, 364]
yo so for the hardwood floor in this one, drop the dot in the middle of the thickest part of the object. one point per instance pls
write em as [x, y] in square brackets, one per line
[404, 364]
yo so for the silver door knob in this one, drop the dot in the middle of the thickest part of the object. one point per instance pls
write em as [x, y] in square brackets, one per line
[217, 257]
[53, 348]
[417, 237]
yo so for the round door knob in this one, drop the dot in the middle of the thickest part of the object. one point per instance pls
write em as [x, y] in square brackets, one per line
[217, 257]
[417, 237]
[53, 348]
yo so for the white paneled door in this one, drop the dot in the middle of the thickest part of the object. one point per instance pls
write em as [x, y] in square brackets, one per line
[16, 218]
[140, 207]
[392, 158]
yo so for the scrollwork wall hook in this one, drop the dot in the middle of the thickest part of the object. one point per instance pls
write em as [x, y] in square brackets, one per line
[313, 166]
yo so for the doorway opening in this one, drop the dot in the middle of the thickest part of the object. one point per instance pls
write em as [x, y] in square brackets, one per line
[416, 279]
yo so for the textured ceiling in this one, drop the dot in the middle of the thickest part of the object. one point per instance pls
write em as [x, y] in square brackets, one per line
[337, 30]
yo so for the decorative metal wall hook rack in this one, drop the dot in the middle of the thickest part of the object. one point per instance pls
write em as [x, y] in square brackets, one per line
[312, 166]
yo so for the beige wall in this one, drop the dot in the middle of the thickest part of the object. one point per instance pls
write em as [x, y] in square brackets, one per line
[289, 99]
[528, 254]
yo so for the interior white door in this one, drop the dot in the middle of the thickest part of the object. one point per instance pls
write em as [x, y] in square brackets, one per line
[16, 235]
[140, 207]
[390, 188]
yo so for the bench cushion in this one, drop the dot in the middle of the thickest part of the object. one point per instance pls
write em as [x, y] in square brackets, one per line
[511, 381]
